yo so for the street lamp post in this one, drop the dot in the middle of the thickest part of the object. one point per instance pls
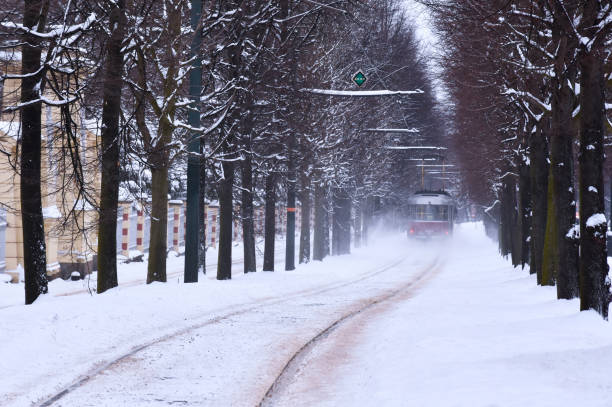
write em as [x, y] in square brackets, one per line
[193, 161]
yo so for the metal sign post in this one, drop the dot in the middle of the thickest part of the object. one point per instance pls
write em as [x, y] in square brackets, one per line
[192, 237]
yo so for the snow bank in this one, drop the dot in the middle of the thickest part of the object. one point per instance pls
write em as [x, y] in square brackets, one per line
[595, 220]
[481, 334]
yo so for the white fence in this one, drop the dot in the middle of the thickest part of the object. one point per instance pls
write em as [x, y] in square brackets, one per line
[134, 227]
[133, 231]
[119, 228]
[2, 240]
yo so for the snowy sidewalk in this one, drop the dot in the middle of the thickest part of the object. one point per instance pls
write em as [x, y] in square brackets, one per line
[481, 334]
[135, 273]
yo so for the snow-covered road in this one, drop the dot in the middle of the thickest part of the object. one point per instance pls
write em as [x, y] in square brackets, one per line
[232, 360]
[80, 342]
[396, 324]
[481, 334]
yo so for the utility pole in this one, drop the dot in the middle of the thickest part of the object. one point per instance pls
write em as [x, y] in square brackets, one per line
[193, 161]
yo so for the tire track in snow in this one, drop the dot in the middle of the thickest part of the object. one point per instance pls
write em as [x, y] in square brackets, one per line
[297, 361]
[239, 309]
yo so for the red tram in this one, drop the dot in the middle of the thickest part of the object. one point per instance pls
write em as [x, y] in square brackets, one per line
[430, 214]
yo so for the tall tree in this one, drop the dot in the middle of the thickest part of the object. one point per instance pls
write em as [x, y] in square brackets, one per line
[156, 61]
[224, 262]
[269, 222]
[34, 250]
[538, 154]
[305, 201]
[560, 262]
[595, 28]
[321, 229]
[110, 140]
[246, 205]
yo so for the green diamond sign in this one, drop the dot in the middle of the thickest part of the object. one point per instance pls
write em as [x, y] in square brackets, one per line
[359, 78]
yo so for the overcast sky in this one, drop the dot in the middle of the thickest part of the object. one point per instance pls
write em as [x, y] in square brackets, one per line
[422, 20]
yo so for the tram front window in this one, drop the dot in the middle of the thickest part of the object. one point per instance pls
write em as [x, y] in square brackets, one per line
[442, 212]
[429, 212]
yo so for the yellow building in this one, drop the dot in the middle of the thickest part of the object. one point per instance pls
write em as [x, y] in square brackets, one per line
[70, 219]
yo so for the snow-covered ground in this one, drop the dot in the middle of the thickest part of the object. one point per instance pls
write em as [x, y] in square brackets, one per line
[135, 273]
[444, 325]
[480, 334]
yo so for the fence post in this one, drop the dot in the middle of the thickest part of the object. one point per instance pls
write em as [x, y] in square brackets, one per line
[185, 225]
[146, 235]
[206, 225]
[213, 230]
[176, 215]
[125, 228]
[3, 225]
[140, 229]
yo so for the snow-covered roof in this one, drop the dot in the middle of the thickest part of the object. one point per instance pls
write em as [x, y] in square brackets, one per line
[430, 199]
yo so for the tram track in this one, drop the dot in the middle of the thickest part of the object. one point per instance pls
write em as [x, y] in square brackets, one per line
[295, 362]
[208, 319]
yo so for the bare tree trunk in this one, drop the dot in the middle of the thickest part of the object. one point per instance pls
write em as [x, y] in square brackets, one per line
[246, 208]
[270, 222]
[158, 241]
[538, 148]
[341, 231]
[524, 211]
[508, 216]
[326, 224]
[34, 249]
[335, 226]
[550, 252]
[345, 246]
[226, 204]
[159, 148]
[560, 262]
[304, 256]
[202, 217]
[319, 251]
[109, 191]
[594, 285]
[367, 220]
[358, 224]
[291, 181]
